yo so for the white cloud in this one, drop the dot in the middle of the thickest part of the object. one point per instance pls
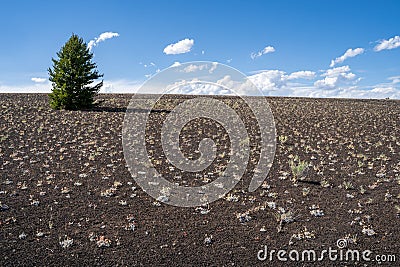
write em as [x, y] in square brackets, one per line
[38, 80]
[176, 64]
[384, 90]
[181, 47]
[375, 93]
[275, 80]
[336, 77]
[24, 88]
[393, 83]
[120, 86]
[106, 35]
[232, 87]
[223, 86]
[151, 64]
[269, 80]
[214, 66]
[196, 88]
[349, 92]
[392, 43]
[394, 79]
[266, 50]
[91, 44]
[339, 71]
[109, 86]
[327, 83]
[102, 37]
[349, 53]
[302, 75]
[337, 82]
[193, 68]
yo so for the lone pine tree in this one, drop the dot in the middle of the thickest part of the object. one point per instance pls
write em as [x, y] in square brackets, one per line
[72, 76]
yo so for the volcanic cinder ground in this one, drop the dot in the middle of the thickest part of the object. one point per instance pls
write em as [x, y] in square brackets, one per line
[68, 198]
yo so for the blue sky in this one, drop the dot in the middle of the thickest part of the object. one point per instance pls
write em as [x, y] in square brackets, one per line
[285, 47]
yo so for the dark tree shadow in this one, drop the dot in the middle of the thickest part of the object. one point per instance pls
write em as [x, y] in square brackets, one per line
[118, 109]
[104, 109]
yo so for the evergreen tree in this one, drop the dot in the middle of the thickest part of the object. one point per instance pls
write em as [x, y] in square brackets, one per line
[72, 76]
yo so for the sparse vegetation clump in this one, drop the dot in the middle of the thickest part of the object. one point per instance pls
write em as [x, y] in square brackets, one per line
[299, 169]
[72, 76]
[283, 139]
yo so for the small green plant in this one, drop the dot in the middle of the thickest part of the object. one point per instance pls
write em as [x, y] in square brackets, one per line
[3, 138]
[348, 185]
[306, 191]
[284, 217]
[325, 183]
[352, 239]
[298, 169]
[397, 208]
[362, 190]
[282, 139]
[51, 223]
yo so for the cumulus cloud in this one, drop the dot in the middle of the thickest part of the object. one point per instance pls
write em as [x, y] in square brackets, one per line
[349, 53]
[273, 80]
[197, 88]
[214, 66]
[333, 78]
[269, 80]
[224, 86]
[266, 50]
[101, 38]
[384, 90]
[375, 93]
[391, 43]
[243, 87]
[308, 75]
[337, 82]
[38, 80]
[265, 82]
[181, 47]
[327, 83]
[335, 72]
[348, 92]
[193, 68]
